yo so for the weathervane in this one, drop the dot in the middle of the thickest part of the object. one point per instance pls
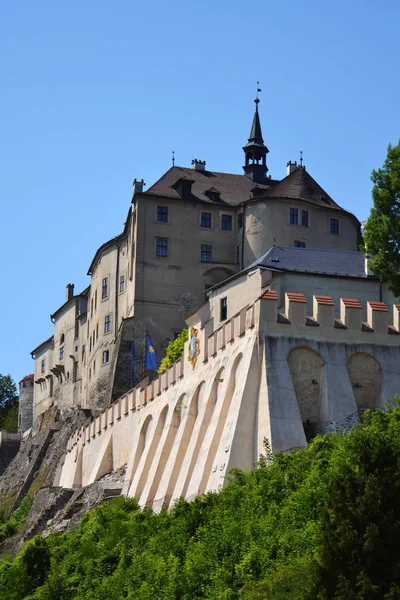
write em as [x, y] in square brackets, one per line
[173, 158]
[301, 158]
[257, 99]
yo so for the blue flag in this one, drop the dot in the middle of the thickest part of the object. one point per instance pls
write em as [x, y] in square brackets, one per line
[133, 362]
[150, 356]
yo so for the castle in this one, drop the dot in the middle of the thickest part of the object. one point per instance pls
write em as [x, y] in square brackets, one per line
[289, 332]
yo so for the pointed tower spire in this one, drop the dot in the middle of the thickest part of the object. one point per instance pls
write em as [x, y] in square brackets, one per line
[255, 150]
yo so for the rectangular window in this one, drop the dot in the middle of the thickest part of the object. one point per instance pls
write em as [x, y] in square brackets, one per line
[226, 222]
[94, 366]
[294, 216]
[298, 244]
[83, 351]
[97, 331]
[162, 248]
[61, 352]
[223, 315]
[237, 254]
[122, 284]
[334, 226]
[106, 357]
[304, 218]
[43, 366]
[162, 214]
[104, 288]
[91, 308]
[206, 253]
[107, 323]
[206, 219]
[90, 373]
[95, 300]
[240, 220]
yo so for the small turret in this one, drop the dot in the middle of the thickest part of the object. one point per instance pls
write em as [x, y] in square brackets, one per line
[256, 151]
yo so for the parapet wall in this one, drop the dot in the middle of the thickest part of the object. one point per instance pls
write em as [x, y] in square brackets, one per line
[382, 326]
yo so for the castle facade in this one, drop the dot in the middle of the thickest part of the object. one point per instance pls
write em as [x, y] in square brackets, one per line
[189, 231]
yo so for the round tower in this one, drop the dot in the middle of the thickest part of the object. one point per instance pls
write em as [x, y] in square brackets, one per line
[25, 410]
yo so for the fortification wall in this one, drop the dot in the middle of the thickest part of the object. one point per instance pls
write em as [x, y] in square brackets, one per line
[283, 376]
[174, 434]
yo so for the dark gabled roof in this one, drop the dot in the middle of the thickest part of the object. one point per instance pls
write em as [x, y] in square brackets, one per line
[233, 189]
[45, 343]
[299, 185]
[338, 263]
[104, 247]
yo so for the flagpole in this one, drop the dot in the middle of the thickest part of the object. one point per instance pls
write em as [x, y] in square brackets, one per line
[144, 353]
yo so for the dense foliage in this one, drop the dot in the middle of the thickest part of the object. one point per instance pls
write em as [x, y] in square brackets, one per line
[8, 404]
[173, 351]
[382, 234]
[319, 523]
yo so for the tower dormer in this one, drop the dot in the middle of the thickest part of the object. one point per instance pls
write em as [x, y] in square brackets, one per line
[256, 151]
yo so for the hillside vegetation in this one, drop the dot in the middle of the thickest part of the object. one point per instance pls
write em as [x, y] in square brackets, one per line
[323, 522]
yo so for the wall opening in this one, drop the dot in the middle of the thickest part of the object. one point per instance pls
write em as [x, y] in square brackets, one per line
[152, 449]
[306, 368]
[365, 375]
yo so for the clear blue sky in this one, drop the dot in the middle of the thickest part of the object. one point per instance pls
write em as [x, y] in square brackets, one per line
[94, 94]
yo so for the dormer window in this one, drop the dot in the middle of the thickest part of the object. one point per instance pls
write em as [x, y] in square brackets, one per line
[213, 194]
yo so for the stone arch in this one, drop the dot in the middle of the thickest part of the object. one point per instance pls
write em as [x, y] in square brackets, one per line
[208, 412]
[223, 414]
[152, 448]
[143, 435]
[166, 449]
[306, 369]
[191, 417]
[365, 375]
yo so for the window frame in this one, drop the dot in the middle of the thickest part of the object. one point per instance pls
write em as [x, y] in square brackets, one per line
[206, 250]
[162, 211]
[225, 217]
[337, 223]
[105, 353]
[121, 284]
[223, 309]
[293, 213]
[43, 365]
[62, 353]
[299, 244]
[240, 220]
[305, 213]
[202, 216]
[107, 323]
[159, 246]
[104, 288]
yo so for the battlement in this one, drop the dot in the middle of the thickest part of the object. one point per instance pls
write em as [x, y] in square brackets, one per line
[323, 316]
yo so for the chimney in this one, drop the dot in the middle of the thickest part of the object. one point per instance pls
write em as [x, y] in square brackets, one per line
[198, 165]
[138, 186]
[290, 167]
[70, 291]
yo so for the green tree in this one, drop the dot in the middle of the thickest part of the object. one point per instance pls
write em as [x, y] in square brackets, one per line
[173, 351]
[382, 234]
[8, 403]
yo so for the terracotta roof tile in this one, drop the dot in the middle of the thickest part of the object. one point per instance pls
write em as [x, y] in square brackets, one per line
[378, 306]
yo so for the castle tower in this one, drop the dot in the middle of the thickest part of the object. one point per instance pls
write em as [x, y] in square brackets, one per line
[256, 151]
[25, 410]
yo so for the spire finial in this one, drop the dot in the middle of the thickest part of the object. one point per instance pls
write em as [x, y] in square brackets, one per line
[301, 158]
[173, 158]
[257, 99]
